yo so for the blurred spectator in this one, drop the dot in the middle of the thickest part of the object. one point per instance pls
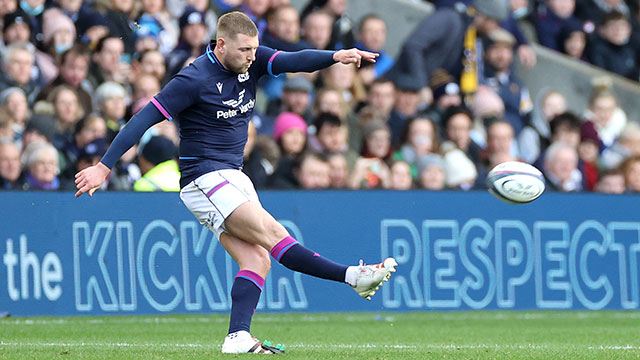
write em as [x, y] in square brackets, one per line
[193, 39]
[290, 133]
[17, 28]
[565, 128]
[418, 138]
[15, 101]
[68, 112]
[500, 143]
[109, 63]
[120, 15]
[296, 98]
[86, 130]
[11, 175]
[561, 168]
[330, 134]
[39, 128]
[255, 165]
[370, 170]
[150, 62]
[446, 93]
[17, 60]
[372, 36]
[168, 34]
[58, 36]
[572, 40]
[6, 125]
[457, 129]
[257, 11]
[499, 75]
[631, 169]
[345, 79]
[401, 178]
[41, 164]
[210, 17]
[594, 11]
[611, 49]
[74, 69]
[8, 7]
[33, 9]
[486, 106]
[438, 42]
[331, 101]
[588, 151]
[89, 155]
[111, 103]
[604, 113]
[432, 173]
[628, 144]
[317, 28]
[611, 182]
[148, 32]
[521, 12]
[405, 106]
[535, 137]
[551, 19]
[342, 36]
[313, 172]
[85, 18]
[158, 165]
[381, 96]
[461, 172]
[283, 30]
[338, 170]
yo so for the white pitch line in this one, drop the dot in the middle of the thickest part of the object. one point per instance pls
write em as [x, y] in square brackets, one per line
[326, 346]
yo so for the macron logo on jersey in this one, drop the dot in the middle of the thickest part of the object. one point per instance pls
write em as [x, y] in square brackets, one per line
[219, 85]
[234, 103]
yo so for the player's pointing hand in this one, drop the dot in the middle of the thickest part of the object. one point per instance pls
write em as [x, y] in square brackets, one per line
[91, 178]
[354, 56]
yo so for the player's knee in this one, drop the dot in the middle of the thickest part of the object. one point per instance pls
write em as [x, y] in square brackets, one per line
[275, 231]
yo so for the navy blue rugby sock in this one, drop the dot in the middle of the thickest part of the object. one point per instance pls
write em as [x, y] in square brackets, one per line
[298, 258]
[245, 294]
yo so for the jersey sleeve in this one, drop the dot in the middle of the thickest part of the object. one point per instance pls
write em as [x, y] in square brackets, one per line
[275, 62]
[180, 93]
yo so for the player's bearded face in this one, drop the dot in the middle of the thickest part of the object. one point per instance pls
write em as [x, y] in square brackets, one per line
[240, 53]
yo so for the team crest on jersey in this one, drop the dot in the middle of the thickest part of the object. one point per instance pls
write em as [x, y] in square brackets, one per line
[219, 85]
[233, 102]
[243, 77]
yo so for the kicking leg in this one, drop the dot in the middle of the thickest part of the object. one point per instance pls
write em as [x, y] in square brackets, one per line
[254, 224]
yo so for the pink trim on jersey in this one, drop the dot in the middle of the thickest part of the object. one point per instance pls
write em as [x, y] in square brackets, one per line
[160, 108]
[274, 56]
[251, 276]
[282, 247]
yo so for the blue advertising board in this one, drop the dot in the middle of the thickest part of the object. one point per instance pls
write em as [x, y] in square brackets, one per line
[132, 253]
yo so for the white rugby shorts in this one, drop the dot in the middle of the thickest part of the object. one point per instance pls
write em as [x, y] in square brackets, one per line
[214, 196]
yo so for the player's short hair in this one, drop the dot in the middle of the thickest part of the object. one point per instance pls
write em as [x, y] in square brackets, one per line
[233, 23]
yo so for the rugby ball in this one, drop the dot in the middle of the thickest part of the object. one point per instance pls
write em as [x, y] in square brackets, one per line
[515, 182]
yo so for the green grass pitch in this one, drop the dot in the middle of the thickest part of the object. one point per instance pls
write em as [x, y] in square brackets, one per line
[419, 335]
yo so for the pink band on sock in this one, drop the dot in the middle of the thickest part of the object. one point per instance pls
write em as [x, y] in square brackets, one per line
[251, 276]
[282, 247]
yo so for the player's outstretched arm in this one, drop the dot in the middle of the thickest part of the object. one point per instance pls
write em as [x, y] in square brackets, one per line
[91, 178]
[354, 56]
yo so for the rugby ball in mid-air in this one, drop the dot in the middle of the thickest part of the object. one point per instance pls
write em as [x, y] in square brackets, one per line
[515, 182]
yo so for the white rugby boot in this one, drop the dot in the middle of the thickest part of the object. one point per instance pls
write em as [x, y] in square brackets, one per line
[241, 342]
[369, 278]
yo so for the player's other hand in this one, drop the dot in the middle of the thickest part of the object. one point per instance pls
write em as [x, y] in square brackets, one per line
[91, 178]
[354, 56]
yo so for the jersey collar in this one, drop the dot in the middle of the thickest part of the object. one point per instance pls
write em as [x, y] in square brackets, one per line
[212, 57]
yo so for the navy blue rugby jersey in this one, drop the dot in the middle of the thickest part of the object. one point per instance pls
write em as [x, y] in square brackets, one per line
[213, 107]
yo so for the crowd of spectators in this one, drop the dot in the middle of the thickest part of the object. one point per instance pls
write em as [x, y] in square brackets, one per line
[438, 116]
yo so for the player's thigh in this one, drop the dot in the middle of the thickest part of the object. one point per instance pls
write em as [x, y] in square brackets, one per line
[252, 223]
[249, 256]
